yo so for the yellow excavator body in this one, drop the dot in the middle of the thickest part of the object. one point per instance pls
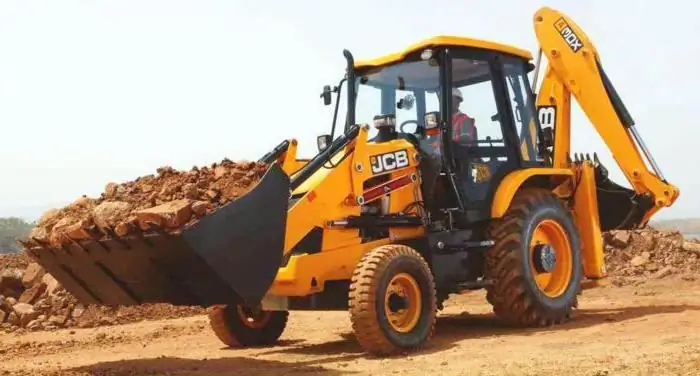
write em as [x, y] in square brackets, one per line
[386, 222]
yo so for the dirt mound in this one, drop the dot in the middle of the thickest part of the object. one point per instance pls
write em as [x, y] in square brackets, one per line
[644, 254]
[14, 260]
[33, 300]
[170, 199]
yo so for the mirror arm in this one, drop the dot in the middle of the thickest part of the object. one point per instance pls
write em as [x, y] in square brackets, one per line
[337, 104]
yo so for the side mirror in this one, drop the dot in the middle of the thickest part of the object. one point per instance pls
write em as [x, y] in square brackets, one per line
[326, 95]
[548, 137]
[406, 103]
[323, 141]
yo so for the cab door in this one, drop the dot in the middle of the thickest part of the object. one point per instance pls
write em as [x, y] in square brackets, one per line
[489, 152]
[522, 109]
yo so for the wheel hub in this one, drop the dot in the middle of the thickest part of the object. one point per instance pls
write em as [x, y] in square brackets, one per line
[402, 303]
[397, 303]
[253, 318]
[551, 258]
[545, 258]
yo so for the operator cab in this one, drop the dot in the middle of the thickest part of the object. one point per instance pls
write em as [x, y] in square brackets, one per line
[484, 129]
[469, 111]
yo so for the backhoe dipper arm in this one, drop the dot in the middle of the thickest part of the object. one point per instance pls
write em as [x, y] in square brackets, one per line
[575, 68]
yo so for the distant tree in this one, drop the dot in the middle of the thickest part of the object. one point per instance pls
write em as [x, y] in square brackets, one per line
[11, 229]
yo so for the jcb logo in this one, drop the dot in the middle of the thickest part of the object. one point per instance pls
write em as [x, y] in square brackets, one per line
[389, 161]
[568, 34]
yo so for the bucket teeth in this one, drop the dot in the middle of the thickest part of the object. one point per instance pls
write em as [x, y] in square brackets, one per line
[583, 157]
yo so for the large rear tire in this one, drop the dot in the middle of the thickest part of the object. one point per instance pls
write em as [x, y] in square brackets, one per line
[239, 327]
[393, 304]
[535, 262]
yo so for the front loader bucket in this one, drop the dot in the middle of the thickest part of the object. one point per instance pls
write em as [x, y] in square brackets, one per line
[619, 208]
[229, 256]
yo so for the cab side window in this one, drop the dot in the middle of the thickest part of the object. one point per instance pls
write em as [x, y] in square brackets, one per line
[480, 152]
[523, 114]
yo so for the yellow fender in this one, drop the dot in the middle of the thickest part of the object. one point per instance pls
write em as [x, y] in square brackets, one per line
[513, 181]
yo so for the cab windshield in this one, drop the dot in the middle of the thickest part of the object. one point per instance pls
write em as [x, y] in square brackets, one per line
[406, 90]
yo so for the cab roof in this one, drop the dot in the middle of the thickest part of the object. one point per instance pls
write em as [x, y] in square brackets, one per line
[443, 40]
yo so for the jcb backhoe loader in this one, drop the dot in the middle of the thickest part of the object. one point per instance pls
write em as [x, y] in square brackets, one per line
[464, 181]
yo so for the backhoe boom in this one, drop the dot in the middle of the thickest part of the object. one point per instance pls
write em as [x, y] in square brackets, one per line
[575, 68]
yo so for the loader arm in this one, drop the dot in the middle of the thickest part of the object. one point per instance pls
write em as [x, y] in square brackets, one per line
[575, 68]
[285, 153]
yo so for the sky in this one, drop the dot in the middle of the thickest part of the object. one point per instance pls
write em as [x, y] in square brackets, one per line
[94, 91]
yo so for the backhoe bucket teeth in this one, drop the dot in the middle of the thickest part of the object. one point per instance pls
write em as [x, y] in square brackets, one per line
[231, 255]
[619, 208]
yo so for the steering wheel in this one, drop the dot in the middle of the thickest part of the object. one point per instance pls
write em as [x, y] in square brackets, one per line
[408, 122]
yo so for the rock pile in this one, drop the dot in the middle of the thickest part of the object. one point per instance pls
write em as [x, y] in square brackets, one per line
[170, 199]
[31, 299]
[645, 254]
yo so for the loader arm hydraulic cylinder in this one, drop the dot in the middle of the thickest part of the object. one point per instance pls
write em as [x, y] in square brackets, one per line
[575, 68]
[275, 153]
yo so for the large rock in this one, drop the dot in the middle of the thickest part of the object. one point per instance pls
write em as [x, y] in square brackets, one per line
[26, 313]
[11, 282]
[173, 214]
[110, 213]
[32, 294]
[32, 275]
[620, 239]
[52, 285]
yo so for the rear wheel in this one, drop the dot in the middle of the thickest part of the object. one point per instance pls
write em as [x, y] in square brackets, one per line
[535, 262]
[392, 300]
[237, 326]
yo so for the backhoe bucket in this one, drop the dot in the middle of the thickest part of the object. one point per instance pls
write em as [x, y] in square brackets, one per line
[229, 256]
[619, 208]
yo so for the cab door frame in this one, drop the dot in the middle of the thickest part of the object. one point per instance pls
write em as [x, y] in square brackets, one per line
[477, 210]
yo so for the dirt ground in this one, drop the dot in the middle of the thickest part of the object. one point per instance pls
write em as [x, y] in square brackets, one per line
[644, 329]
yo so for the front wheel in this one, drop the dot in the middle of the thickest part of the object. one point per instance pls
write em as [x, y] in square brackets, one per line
[393, 304]
[536, 261]
[237, 326]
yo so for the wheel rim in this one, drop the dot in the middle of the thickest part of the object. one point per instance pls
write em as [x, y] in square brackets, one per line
[402, 302]
[255, 320]
[550, 258]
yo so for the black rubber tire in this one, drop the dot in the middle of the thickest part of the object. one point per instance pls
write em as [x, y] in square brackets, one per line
[232, 331]
[515, 297]
[366, 300]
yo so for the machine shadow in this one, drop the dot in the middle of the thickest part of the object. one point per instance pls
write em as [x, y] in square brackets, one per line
[460, 327]
[208, 367]
[451, 329]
